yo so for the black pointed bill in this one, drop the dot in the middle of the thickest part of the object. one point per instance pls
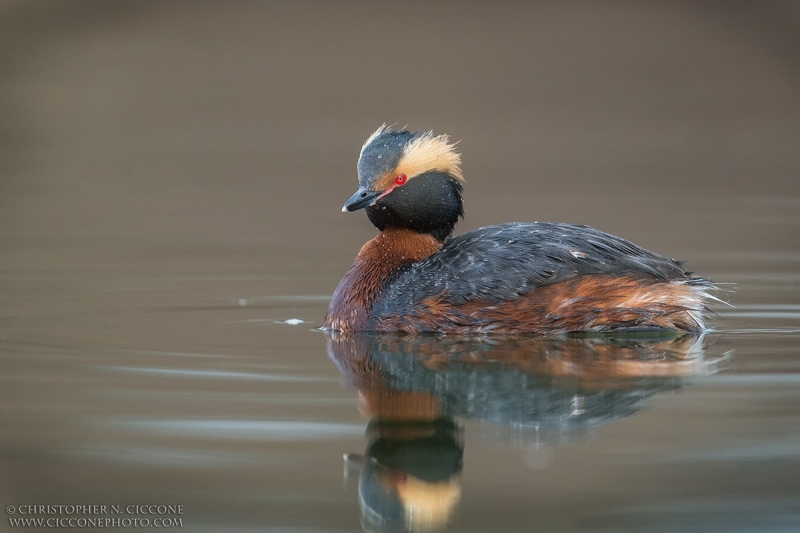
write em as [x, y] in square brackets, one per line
[361, 199]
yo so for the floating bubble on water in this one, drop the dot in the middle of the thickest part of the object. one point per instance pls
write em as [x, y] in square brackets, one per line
[292, 321]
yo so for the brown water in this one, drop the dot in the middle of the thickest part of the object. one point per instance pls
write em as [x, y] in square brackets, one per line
[172, 176]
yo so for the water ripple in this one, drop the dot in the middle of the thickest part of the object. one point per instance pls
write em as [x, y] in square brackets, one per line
[270, 430]
[209, 374]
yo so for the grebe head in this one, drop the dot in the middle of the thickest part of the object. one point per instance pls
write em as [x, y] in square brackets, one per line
[409, 180]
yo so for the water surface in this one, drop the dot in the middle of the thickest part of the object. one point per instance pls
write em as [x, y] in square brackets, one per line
[170, 236]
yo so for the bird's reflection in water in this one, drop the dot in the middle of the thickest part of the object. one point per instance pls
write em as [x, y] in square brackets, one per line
[415, 390]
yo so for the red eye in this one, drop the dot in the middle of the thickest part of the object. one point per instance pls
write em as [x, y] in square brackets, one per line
[401, 179]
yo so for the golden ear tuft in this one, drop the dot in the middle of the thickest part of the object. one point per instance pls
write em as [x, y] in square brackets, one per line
[428, 506]
[430, 152]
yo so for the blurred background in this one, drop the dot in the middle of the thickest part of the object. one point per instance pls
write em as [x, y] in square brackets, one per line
[131, 130]
[171, 179]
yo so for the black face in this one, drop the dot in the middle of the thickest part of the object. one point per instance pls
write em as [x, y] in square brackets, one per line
[429, 203]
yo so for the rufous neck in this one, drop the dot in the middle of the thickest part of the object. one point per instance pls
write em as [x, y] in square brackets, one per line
[378, 260]
[395, 246]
